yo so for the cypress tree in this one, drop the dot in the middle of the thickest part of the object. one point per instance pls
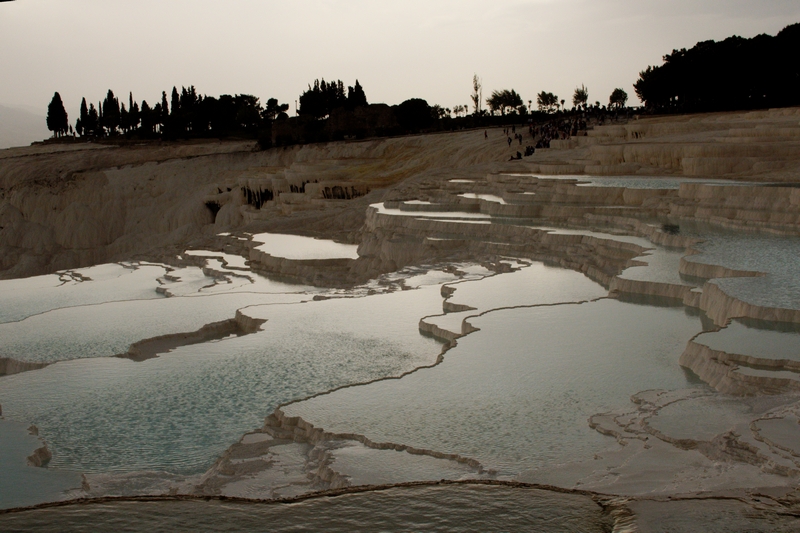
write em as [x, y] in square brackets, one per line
[356, 96]
[164, 118]
[123, 119]
[101, 132]
[175, 101]
[83, 121]
[57, 120]
[135, 116]
[111, 113]
[148, 121]
[93, 122]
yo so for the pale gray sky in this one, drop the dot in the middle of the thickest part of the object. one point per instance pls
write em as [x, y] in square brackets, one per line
[398, 50]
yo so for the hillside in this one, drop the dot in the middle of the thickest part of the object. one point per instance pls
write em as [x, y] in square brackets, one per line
[20, 127]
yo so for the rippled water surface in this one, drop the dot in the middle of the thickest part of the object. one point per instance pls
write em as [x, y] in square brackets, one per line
[776, 256]
[20, 483]
[177, 412]
[437, 508]
[517, 394]
[710, 516]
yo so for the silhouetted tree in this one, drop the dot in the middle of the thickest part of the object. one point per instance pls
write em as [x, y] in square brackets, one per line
[414, 115]
[149, 118]
[438, 112]
[504, 100]
[175, 102]
[83, 120]
[248, 112]
[135, 116]
[124, 123]
[164, 111]
[356, 96]
[477, 93]
[92, 126]
[318, 101]
[736, 73]
[547, 102]
[617, 99]
[57, 120]
[111, 112]
[273, 109]
[187, 119]
[580, 96]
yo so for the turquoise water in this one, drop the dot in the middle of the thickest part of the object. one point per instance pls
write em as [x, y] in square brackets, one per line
[517, 394]
[22, 484]
[177, 412]
[108, 329]
[117, 306]
[776, 256]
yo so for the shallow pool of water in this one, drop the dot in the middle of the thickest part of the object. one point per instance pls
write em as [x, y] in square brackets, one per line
[429, 214]
[177, 412]
[488, 197]
[517, 394]
[108, 329]
[776, 256]
[297, 247]
[22, 484]
[628, 182]
[756, 338]
[21, 298]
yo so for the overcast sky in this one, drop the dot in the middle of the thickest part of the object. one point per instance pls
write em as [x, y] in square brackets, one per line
[401, 49]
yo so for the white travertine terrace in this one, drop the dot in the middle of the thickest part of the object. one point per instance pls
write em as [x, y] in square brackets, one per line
[686, 226]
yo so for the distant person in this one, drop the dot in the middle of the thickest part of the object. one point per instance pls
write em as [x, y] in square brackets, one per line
[485, 134]
[509, 142]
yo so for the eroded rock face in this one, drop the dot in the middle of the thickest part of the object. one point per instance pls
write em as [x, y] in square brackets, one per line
[75, 205]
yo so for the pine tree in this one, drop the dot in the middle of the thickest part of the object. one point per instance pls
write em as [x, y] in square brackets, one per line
[57, 119]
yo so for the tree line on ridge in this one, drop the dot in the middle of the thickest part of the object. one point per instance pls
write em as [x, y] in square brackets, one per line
[735, 73]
